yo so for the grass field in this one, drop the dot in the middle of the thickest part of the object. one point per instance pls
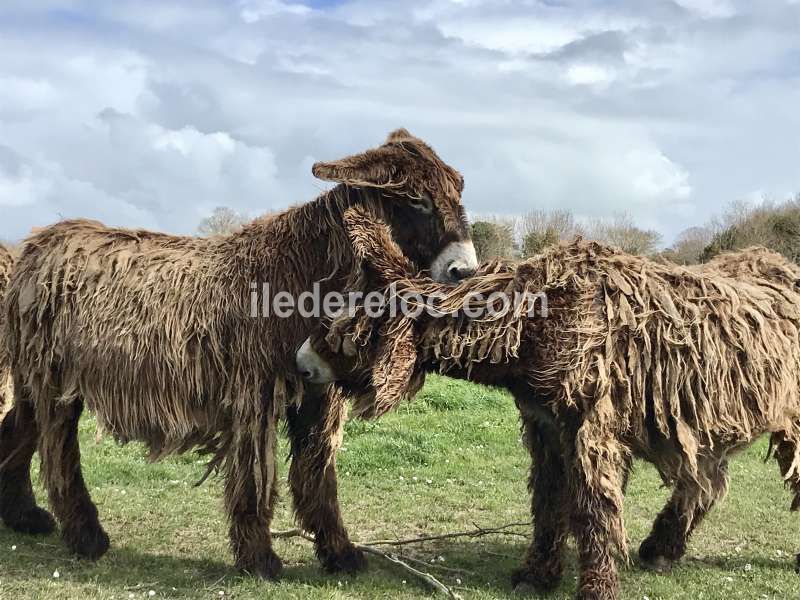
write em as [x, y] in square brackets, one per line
[446, 462]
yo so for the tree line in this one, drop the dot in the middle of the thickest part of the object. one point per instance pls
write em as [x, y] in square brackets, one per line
[775, 225]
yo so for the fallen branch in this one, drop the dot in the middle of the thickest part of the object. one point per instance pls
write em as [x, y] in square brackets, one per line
[477, 532]
[437, 566]
[291, 533]
[426, 577]
[369, 548]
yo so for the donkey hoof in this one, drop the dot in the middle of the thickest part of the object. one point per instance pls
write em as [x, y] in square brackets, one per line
[33, 521]
[595, 586]
[654, 556]
[658, 564]
[350, 560]
[525, 590]
[797, 565]
[528, 580]
[89, 542]
[266, 566]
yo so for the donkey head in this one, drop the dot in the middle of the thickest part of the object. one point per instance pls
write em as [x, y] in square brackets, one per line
[419, 197]
[377, 373]
[374, 360]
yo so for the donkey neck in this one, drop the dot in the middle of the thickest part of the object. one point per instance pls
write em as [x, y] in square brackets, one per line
[302, 245]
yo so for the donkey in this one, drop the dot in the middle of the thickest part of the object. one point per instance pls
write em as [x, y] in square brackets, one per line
[681, 367]
[155, 334]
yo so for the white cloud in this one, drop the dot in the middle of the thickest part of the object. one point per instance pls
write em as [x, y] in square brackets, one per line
[21, 188]
[588, 74]
[522, 35]
[657, 177]
[151, 116]
[709, 8]
[255, 10]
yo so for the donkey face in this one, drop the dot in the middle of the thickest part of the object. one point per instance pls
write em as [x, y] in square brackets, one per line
[418, 196]
[377, 372]
[375, 360]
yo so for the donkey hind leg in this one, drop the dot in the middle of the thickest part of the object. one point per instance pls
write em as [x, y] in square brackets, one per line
[787, 452]
[543, 567]
[683, 513]
[18, 438]
[250, 495]
[60, 455]
[596, 468]
[314, 430]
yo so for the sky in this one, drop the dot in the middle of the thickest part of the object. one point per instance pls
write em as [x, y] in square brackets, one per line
[150, 113]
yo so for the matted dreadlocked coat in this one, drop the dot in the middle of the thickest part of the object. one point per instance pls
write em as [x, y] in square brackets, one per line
[679, 366]
[155, 334]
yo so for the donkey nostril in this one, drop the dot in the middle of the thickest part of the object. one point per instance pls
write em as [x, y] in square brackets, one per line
[458, 272]
[307, 374]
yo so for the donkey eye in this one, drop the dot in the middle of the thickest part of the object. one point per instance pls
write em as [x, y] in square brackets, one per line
[423, 204]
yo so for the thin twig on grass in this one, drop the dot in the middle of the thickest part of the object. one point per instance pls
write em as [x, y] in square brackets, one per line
[477, 532]
[291, 533]
[426, 577]
[436, 565]
[369, 548]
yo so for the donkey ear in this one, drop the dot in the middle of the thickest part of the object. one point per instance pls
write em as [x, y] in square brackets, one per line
[399, 135]
[380, 167]
[394, 374]
[374, 245]
[385, 166]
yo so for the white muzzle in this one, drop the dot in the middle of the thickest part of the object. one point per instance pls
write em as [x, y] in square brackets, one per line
[311, 366]
[456, 262]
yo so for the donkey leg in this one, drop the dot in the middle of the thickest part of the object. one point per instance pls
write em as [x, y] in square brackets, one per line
[250, 495]
[547, 483]
[596, 470]
[787, 453]
[60, 454]
[682, 514]
[18, 438]
[315, 429]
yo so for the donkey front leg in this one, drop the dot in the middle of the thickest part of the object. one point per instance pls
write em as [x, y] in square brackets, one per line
[61, 471]
[250, 493]
[543, 565]
[19, 437]
[315, 429]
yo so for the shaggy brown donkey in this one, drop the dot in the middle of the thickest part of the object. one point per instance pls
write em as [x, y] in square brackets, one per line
[681, 367]
[154, 334]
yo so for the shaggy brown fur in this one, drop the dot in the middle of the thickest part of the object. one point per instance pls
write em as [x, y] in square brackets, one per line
[154, 334]
[6, 263]
[682, 367]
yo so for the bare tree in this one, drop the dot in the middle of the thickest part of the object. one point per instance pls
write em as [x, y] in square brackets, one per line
[689, 246]
[625, 235]
[539, 229]
[775, 225]
[221, 221]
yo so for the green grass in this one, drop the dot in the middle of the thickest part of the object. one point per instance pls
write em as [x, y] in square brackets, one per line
[447, 461]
